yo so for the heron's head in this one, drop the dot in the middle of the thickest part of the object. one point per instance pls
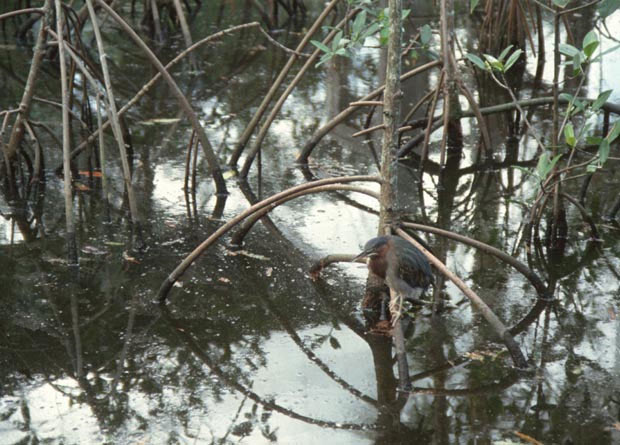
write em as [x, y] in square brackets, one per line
[374, 248]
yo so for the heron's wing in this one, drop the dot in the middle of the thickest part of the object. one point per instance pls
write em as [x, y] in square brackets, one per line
[414, 268]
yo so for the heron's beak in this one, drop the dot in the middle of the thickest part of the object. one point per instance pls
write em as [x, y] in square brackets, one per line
[362, 255]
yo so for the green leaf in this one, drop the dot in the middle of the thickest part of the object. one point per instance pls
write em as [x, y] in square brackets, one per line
[577, 63]
[568, 50]
[553, 162]
[600, 100]
[371, 30]
[590, 43]
[359, 23]
[565, 96]
[545, 165]
[426, 33]
[561, 3]
[569, 135]
[591, 168]
[541, 166]
[495, 64]
[523, 169]
[324, 59]
[603, 151]
[384, 35]
[472, 5]
[614, 132]
[593, 140]
[608, 7]
[321, 46]
[505, 52]
[512, 59]
[405, 13]
[336, 41]
[476, 61]
[580, 105]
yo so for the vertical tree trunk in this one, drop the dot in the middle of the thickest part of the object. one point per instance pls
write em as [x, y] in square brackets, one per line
[391, 118]
[66, 140]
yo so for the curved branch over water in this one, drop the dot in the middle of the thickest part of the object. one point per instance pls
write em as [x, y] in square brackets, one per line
[189, 260]
[534, 279]
[504, 333]
[249, 223]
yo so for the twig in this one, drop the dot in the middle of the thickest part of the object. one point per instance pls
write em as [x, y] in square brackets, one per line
[282, 47]
[8, 15]
[363, 103]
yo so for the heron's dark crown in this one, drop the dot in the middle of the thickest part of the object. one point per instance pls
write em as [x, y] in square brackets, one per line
[376, 243]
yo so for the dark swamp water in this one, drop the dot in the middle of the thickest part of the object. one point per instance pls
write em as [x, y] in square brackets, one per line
[249, 349]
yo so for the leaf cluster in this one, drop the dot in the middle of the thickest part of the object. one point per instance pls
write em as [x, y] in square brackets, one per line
[367, 23]
[498, 64]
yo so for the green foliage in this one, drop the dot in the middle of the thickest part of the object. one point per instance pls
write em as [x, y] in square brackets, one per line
[578, 57]
[600, 100]
[426, 33]
[576, 106]
[491, 63]
[569, 135]
[604, 146]
[338, 47]
[590, 43]
[476, 61]
[545, 165]
[608, 7]
[367, 23]
[472, 5]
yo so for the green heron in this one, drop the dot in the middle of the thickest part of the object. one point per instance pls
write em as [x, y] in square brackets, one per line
[404, 268]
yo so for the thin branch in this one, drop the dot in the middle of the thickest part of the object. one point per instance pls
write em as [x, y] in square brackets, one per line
[344, 114]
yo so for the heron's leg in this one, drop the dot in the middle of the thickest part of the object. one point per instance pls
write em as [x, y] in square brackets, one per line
[396, 306]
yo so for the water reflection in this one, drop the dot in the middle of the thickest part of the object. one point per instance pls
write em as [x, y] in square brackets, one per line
[251, 349]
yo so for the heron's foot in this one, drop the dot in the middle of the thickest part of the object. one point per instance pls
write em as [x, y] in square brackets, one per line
[382, 327]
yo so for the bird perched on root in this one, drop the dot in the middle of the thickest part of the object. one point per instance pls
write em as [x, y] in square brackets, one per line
[404, 268]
